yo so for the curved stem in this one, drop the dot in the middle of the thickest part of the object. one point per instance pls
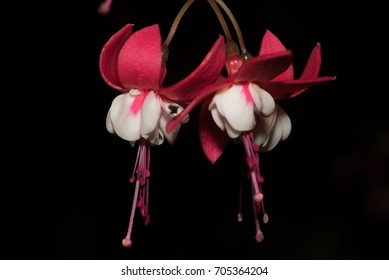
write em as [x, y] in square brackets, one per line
[221, 19]
[234, 23]
[176, 21]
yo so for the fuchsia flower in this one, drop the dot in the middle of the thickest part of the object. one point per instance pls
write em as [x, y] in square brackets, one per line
[132, 64]
[243, 106]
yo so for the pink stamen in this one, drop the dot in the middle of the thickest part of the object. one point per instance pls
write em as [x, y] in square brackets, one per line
[253, 172]
[127, 240]
[240, 215]
[141, 194]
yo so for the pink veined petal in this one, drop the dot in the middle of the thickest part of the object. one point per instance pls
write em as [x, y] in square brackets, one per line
[264, 102]
[126, 123]
[150, 113]
[140, 59]
[108, 62]
[238, 107]
[202, 94]
[207, 72]
[213, 141]
[288, 89]
[264, 67]
[280, 131]
[271, 44]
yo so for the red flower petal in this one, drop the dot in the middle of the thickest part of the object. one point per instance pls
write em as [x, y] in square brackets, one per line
[264, 67]
[288, 89]
[207, 72]
[312, 68]
[212, 139]
[271, 44]
[140, 60]
[109, 57]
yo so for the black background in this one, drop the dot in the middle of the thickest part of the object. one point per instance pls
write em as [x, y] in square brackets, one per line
[64, 191]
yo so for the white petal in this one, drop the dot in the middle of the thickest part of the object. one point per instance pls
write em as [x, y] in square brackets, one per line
[268, 104]
[280, 131]
[264, 102]
[217, 100]
[169, 111]
[125, 123]
[108, 123]
[151, 111]
[238, 108]
[170, 137]
[232, 133]
[155, 137]
[263, 128]
[255, 91]
[217, 117]
[286, 123]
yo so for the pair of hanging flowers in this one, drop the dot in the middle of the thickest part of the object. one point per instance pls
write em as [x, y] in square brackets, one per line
[241, 106]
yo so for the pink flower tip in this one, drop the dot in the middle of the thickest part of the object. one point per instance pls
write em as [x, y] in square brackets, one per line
[126, 242]
[258, 197]
[265, 218]
[143, 211]
[259, 237]
[105, 7]
[240, 217]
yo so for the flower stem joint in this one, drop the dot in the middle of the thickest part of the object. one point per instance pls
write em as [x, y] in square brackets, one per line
[241, 107]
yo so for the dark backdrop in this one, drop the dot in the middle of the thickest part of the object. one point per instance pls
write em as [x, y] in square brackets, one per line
[64, 190]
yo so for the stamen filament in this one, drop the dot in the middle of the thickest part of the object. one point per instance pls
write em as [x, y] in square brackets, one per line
[127, 240]
[132, 179]
[252, 160]
[240, 215]
[258, 233]
[141, 193]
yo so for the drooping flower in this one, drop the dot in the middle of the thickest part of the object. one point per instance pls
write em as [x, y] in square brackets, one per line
[132, 64]
[243, 106]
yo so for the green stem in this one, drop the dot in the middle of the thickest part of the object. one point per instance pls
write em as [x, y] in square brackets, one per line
[221, 19]
[176, 22]
[234, 23]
